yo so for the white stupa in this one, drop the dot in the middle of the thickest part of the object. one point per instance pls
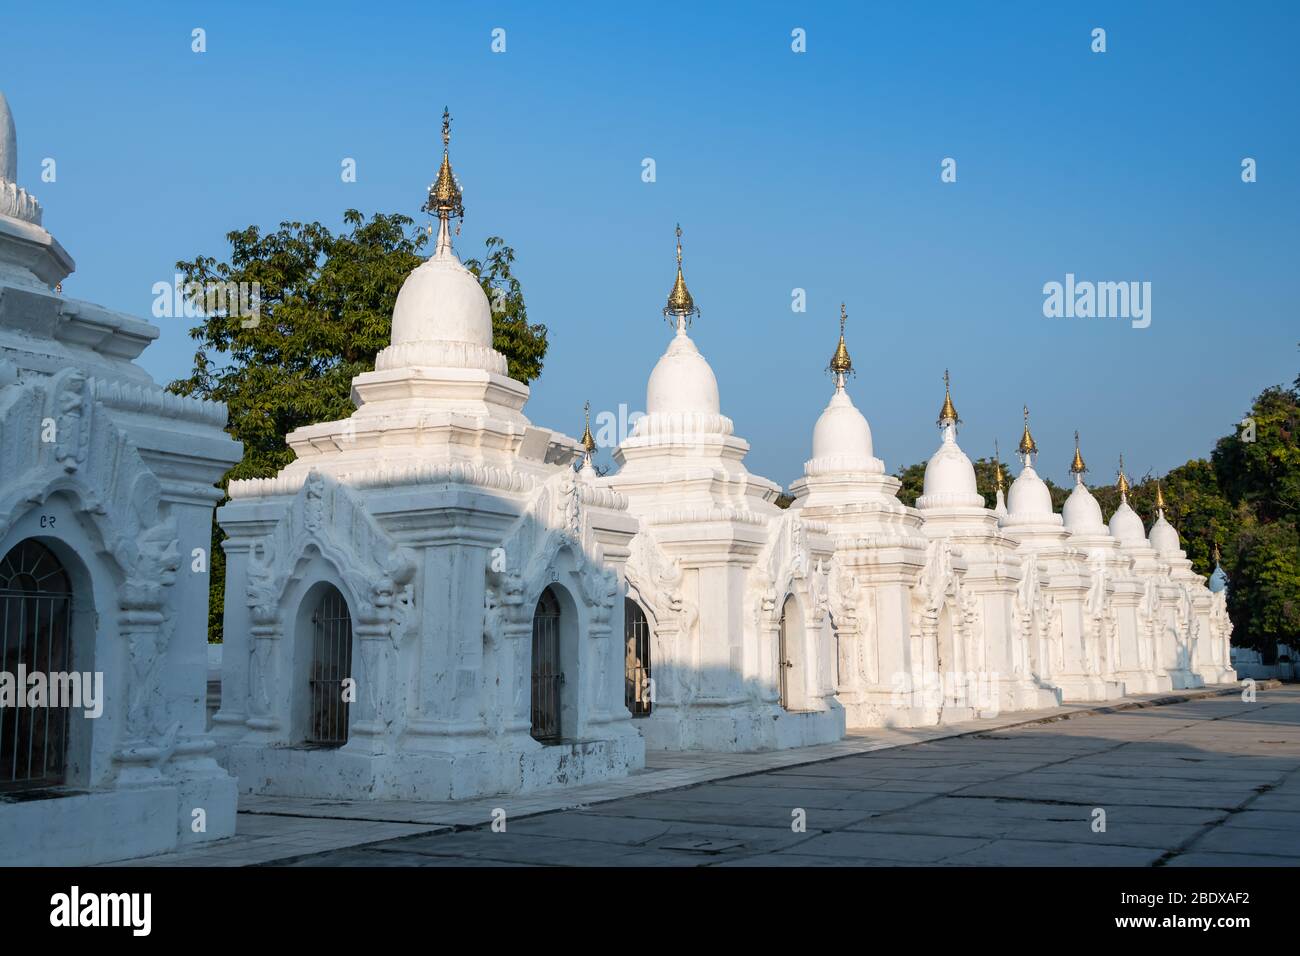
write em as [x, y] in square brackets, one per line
[1029, 502]
[1191, 652]
[879, 551]
[949, 474]
[730, 584]
[1137, 600]
[438, 529]
[1081, 513]
[1218, 578]
[1106, 565]
[988, 568]
[1125, 524]
[1066, 647]
[999, 483]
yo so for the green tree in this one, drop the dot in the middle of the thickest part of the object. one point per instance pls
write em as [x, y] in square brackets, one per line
[1258, 471]
[1264, 584]
[325, 310]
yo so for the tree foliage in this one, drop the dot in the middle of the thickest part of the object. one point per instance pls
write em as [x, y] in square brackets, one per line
[324, 311]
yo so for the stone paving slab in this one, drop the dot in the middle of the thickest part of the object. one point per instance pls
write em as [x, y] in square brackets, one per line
[1005, 776]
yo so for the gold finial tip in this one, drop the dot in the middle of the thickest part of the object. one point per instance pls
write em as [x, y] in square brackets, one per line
[841, 363]
[949, 411]
[1160, 497]
[445, 194]
[1077, 467]
[681, 303]
[1027, 444]
[588, 442]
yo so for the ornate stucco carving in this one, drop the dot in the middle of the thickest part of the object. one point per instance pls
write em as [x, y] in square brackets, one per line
[554, 518]
[19, 203]
[154, 401]
[657, 581]
[57, 438]
[327, 516]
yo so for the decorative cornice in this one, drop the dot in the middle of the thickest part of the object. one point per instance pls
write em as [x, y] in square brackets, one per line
[843, 465]
[696, 515]
[126, 397]
[18, 203]
[665, 426]
[866, 542]
[439, 354]
[458, 473]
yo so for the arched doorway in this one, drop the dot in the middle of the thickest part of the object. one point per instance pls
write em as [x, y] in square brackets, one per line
[548, 677]
[35, 638]
[790, 657]
[331, 665]
[636, 638]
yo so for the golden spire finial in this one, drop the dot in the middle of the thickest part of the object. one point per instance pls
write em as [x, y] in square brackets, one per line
[681, 306]
[1027, 444]
[841, 364]
[1216, 552]
[998, 479]
[1077, 467]
[1122, 484]
[949, 412]
[588, 442]
[1160, 497]
[445, 195]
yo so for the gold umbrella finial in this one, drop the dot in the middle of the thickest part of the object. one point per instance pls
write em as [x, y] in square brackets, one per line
[949, 411]
[1077, 467]
[1122, 484]
[1160, 497]
[841, 364]
[681, 305]
[998, 479]
[1027, 444]
[1216, 552]
[445, 199]
[588, 442]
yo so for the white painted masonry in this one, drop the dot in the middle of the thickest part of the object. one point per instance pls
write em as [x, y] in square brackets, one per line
[115, 478]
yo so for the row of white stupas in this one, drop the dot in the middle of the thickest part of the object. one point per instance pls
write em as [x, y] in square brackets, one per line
[432, 602]
[489, 581]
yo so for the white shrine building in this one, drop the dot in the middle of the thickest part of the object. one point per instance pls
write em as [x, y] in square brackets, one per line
[427, 603]
[107, 485]
[731, 589]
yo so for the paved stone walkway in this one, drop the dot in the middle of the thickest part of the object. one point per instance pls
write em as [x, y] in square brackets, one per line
[1208, 781]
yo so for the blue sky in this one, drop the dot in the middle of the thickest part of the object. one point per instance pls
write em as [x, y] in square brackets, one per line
[817, 171]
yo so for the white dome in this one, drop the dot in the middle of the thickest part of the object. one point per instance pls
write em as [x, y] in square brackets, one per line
[682, 381]
[1218, 580]
[841, 431]
[1163, 537]
[1029, 494]
[1126, 526]
[949, 472]
[1081, 511]
[441, 301]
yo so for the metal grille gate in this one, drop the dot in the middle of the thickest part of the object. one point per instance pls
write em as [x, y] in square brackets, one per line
[547, 676]
[35, 637]
[783, 662]
[331, 664]
[636, 637]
